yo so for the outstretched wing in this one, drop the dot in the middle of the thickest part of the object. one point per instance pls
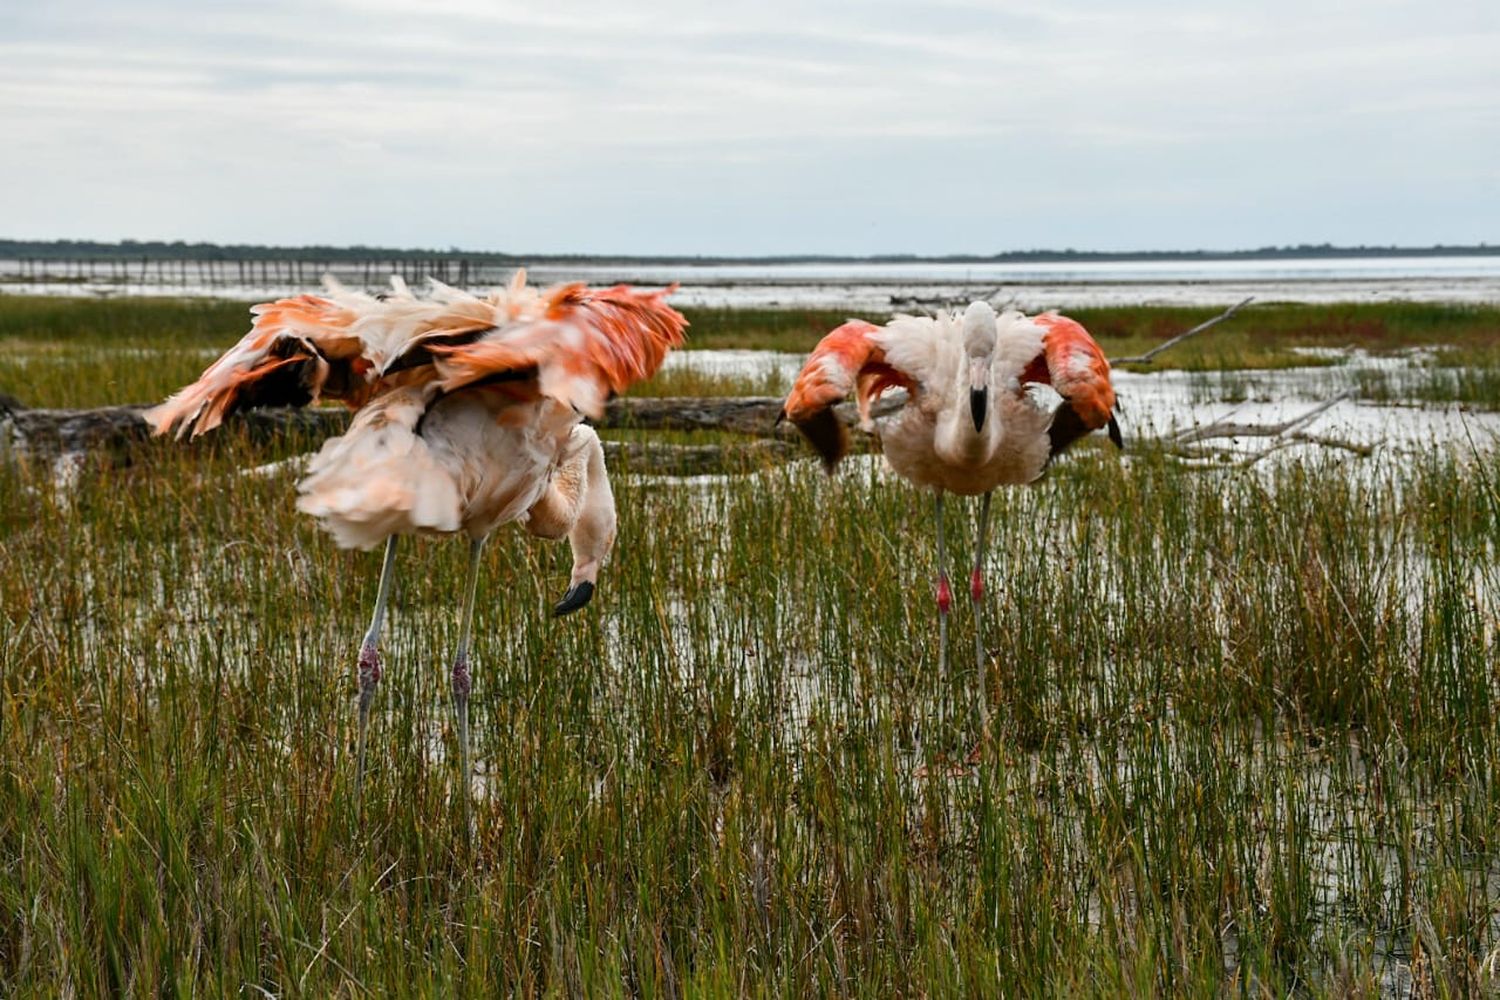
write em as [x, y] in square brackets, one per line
[411, 327]
[297, 351]
[1072, 363]
[852, 358]
[584, 346]
[345, 345]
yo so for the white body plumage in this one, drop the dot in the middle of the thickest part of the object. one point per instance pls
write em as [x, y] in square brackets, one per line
[933, 441]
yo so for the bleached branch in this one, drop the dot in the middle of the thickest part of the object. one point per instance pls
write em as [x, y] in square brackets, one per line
[1145, 359]
[1230, 429]
[1190, 445]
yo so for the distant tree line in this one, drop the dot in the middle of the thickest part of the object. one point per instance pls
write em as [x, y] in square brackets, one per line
[179, 250]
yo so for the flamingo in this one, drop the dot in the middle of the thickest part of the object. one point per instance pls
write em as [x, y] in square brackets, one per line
[469, 415]
[969, 423]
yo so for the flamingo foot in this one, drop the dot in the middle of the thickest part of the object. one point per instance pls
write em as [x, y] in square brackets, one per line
[576, 597]
[461, 684]
[369, 679]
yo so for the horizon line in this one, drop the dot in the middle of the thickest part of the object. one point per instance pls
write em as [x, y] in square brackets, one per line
[21, 247]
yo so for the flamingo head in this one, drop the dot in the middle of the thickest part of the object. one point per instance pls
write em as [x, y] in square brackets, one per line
[979, 333]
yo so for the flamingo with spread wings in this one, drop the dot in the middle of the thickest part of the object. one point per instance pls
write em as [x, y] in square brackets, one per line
[469, 416]
[969, 423]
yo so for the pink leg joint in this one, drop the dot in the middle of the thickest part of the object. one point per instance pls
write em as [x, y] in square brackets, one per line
[369, 666]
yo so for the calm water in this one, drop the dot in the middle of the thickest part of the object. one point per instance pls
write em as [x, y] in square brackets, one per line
[881, 287]
[1321, 269]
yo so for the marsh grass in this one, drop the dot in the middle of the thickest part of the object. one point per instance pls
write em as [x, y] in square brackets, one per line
[1266, 334]
[1475, 386]
[686, 382]
[1246, 734]
[1246, 739]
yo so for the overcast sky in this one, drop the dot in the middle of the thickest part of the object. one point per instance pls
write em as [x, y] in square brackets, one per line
[770, 127]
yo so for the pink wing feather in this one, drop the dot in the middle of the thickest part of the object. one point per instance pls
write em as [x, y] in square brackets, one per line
[297, 351]
[846, 360]
[587, 346]
[1073, 364]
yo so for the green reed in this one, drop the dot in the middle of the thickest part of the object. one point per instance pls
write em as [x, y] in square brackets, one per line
[1245, 739]
[1245, 724]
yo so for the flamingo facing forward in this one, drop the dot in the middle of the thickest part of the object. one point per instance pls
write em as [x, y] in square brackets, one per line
[969, 423]
[469, 416]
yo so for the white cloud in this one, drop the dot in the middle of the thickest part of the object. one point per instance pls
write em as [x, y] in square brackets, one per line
[682, 127]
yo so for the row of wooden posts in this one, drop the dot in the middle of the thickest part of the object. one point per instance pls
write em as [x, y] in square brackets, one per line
[186, 272]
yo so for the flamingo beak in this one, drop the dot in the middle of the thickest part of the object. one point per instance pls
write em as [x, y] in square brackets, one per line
[576, 597]
[978, 405]
[979, 391]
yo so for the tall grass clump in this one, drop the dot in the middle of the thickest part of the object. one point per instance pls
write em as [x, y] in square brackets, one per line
[1244, 740]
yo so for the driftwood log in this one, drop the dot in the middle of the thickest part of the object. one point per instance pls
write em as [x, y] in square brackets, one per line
[58, 431]
[1203, 447]
[113, 428]
[118, 430]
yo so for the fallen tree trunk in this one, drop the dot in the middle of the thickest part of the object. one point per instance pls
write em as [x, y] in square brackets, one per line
[752, 415]
[54, 432]
[120, 431]
[112, 428]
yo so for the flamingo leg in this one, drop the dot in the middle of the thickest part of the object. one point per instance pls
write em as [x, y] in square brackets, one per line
[976, 594]
[944, 593]
[460, 677]
[369, 661]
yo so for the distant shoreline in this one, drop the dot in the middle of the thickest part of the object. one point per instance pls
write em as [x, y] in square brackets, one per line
[856, 287]
[132, 250]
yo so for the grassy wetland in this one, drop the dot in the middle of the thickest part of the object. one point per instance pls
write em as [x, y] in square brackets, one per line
[1246, 723]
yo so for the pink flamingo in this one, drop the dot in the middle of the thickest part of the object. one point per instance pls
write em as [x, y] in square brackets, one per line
[469, 416]
[968, 424]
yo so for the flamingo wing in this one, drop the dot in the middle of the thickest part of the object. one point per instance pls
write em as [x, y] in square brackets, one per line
[450, 317]
[1073, 364]
[298, 350]
[347, 345]
[856, 357]
[581, 347]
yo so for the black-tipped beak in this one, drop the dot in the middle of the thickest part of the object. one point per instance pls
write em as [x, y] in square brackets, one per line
[575, 598]
[978, 404]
